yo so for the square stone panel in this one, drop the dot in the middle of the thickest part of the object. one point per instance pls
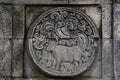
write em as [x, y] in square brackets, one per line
[32, 13]
[5, 57]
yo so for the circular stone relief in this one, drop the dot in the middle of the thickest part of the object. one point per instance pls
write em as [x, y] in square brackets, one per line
[63, 42]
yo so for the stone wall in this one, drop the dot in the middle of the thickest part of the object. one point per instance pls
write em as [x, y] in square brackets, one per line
[16, 18]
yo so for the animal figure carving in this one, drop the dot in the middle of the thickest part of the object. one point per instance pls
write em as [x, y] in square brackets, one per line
[67, 52]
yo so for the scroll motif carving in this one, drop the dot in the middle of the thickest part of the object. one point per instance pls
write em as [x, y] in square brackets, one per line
[63, 42]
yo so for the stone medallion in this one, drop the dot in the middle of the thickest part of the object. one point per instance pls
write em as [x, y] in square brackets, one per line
[63, 42]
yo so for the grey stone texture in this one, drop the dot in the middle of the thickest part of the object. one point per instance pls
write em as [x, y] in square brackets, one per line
[90, 1]
[117, 1]
[5, 21]
[107, 60]
[106, 21]
[117, 59]
[116, 31]
[16, 16]
[17, 58]
[50, 79]
[116, 21]
[18, 21]
[5, 1]
[5, 57]
[5, 78]
[40, 1]
[30, 69]
[57, 1]
[33, 12]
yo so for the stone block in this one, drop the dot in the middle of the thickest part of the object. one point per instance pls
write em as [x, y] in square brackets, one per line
[40, 1]
[5, 1]
[61, 79]
[5, 78]
[106, 21]
[33, 12]
[117, 59]
[117, 1]
[95, 71]
[116, 28]
[30, 68]
[5, 21]
[5, 57]
[17, 58]
[19, 79]
[18, 21]
[90, 1]
[107, 59]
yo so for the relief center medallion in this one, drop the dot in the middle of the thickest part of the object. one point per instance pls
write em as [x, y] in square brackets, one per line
[63, 42]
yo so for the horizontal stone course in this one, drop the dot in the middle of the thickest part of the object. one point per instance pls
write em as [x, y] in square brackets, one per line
[39, 1]
[58, 1]
[90, 1]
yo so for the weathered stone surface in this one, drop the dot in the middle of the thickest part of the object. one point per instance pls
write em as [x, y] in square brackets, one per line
[106, 21]
[32, 13]
[5, 57]
[30, 69]
[117, 59]
[18, 21]
[116, 32]
[94, 13]
[63, 42]
[19, 79]
[62, 79]
[5, 1]
[117, 1]
[116, 28]
[96, 69]
[50, 79]
[17, 58]
[40, 1]
[89, 1]
[107, 59]
[5, 78]
[5, 21]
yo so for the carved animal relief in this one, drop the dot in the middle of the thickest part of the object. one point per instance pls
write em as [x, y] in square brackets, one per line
[63, 42]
